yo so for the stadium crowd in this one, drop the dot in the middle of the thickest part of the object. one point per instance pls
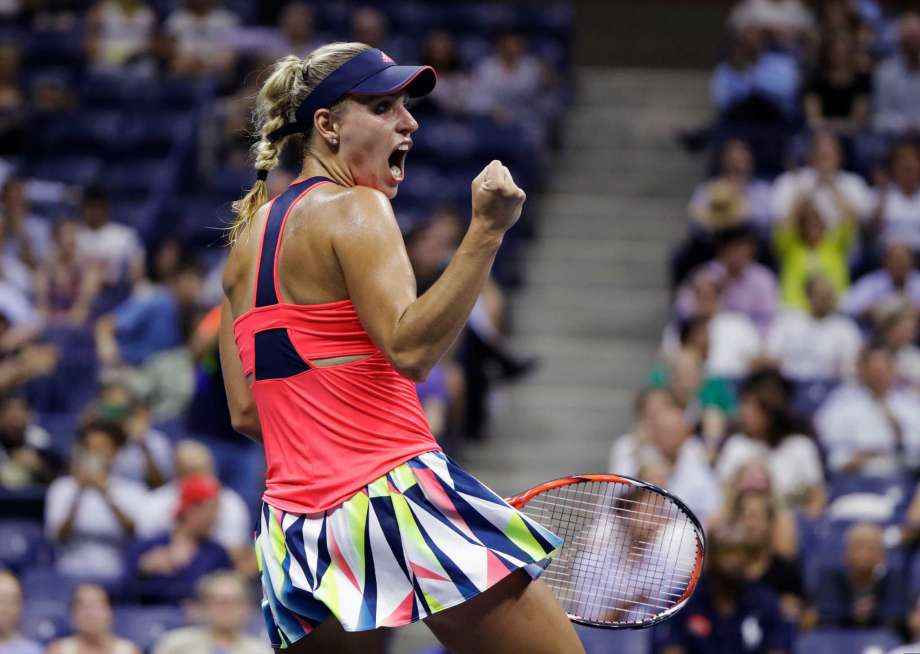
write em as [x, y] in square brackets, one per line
[785, 409]
[127, 501]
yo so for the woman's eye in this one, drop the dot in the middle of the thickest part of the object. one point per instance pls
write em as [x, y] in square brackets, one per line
[382, 107]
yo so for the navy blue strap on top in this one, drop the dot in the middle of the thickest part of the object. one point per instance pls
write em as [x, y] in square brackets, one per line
[265, 284]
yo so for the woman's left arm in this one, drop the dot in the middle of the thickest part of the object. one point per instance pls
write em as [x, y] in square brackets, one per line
[243, 414]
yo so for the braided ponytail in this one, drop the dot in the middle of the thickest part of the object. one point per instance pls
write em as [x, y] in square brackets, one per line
[290, 81]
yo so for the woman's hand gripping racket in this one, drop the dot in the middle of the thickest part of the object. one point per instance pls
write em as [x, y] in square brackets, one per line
[632, 552]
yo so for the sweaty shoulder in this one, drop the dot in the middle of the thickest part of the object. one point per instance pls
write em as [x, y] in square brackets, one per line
[355, 207]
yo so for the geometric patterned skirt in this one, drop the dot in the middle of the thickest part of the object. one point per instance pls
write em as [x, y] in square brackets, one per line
[422, 538]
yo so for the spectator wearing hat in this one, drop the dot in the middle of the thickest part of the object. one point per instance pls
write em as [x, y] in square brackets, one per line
[233, 526]
[805, 245]
[165, 569]
[224, 598]
[11, 639]
[736, 168]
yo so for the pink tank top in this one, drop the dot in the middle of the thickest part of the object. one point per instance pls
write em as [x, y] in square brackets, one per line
[327, 431]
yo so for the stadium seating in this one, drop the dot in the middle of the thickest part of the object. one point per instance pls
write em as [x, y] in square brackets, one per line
[847, 641]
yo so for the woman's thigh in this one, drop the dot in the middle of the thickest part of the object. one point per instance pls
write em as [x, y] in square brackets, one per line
[515, 615]
[330, 638]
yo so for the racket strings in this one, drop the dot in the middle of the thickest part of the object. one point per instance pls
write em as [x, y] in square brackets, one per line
[628, 555]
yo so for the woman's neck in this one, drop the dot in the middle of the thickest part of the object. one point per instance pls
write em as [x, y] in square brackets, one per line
[325, 164]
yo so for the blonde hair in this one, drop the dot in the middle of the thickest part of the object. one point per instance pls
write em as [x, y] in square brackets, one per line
[290, 81]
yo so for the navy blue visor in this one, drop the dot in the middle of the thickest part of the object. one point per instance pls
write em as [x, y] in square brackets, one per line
[370, 73]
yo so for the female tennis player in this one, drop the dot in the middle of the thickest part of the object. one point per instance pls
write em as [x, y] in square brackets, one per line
[365, 522]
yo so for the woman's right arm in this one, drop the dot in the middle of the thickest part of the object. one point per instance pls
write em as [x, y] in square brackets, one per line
[415, 332]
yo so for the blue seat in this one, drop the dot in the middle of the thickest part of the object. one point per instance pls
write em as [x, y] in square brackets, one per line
[22, 543]
[555, 20]
[143, 625]
[80, 171]
[482, 18]
[846, 641]
[155, 134]
[808, 395]
[183, 92]
[84, 132]
[62, 427]
[444, 142]
[46, 585]
[472, 48]
[45, 620]
[53, 48]
[116, 91]
[134, 180]
[621, 641]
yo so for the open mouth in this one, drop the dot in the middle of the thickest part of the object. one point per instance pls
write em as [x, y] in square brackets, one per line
[397, 162]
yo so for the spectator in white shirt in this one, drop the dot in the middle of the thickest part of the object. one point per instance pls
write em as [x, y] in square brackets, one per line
[733, 339]
[625, 450]
[896, 83]
[90, 514]
[767, 431]
[295, 34]
[233, 528]
[120, 35]
[823, 181]
[11, 639]
[871, 427]
[27, 236]
[819, 344]
[675, 459]
[115, 247]
[898, 277]
[898, 211]
[202, 32]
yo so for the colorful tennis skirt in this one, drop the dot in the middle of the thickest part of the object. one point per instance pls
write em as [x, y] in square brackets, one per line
[424, 537]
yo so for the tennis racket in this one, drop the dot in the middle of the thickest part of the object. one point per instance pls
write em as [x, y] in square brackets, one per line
[632, 553]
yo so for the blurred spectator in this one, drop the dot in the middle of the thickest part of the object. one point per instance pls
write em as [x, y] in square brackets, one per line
[898, 211]
[202, 32]
[768, 432]
[728, 339]
[90, 514]
[91, 618]
[119, 35]
[755, 512]
[898, 277]
[142, 342]
[27, 236]
[806, 246]
[511, 87]
[726, 613]
[225, 599]
[21, 361]
[834, 192]
[66, 285]
[434, 395]
[837, 95]
[783, 22]
[147, 455]
[896, 96]
[13, 108]
[817, 344]
[753, 84]
[624, 452]
[747, 287]
[871, 427]
[896, 327]
[863, 592]
[115, 247]
[706, 399]
[295, 34]
[913, 628]
[233, 526]
[755, 477]
[451, 93]
[736, 170]
[369, 25]
[11, 640]
[165, 569]
[26, 455]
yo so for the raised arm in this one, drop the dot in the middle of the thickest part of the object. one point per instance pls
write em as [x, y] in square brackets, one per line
[415, 332]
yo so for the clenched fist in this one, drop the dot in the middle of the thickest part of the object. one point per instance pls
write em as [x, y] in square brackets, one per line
[497, 200]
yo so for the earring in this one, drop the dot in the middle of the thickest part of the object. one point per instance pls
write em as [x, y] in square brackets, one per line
[333, 141]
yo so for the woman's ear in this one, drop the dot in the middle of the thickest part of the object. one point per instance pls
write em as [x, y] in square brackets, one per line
[326, 125]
